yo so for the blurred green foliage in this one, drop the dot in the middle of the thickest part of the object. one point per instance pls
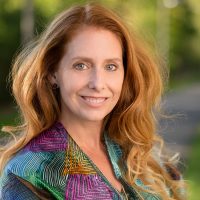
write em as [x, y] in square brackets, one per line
[183, 31]
[9, 42]
[141, 15]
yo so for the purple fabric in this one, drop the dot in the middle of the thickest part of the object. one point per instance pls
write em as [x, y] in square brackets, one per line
[53, 139]
[88, 187]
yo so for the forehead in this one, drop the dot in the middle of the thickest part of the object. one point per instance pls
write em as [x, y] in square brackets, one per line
[89, 39]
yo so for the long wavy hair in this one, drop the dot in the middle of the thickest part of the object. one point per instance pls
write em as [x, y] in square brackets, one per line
[132, 123]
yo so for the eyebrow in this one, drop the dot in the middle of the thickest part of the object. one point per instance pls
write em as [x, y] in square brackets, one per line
[87, 59]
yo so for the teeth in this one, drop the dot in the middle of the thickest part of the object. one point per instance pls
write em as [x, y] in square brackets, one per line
[94, 100]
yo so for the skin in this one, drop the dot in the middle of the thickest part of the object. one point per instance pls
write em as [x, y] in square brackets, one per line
[90, 77]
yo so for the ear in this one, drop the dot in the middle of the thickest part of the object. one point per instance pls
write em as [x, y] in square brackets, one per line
[52, 78]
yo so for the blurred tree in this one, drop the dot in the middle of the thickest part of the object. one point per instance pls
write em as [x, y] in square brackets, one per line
[182, 54]
[9, 41]
[27, 21]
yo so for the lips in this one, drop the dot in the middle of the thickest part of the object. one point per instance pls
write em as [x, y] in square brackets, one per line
[94, 100]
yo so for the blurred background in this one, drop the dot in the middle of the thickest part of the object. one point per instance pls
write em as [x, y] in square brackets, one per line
[170, 27]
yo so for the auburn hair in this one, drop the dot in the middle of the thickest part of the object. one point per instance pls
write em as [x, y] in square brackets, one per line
[132, 123]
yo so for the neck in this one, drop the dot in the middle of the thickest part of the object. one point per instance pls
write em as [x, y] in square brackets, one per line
[85, 133]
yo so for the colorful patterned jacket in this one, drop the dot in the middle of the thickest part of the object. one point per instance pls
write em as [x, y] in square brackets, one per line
[52, 166]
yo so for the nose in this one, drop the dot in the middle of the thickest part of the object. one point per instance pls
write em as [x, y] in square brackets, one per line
[97, 79]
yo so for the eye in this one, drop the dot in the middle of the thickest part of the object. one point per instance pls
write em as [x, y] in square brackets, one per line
[111, 67]
[80, 66]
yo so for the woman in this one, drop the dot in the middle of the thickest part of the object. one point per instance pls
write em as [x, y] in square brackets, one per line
[87, 91]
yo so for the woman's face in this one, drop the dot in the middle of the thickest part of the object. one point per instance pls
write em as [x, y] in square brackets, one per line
[90, 75]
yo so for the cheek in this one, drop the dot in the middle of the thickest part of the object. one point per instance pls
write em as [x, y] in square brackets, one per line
[117, 84]
[116, 89]
[71, 84]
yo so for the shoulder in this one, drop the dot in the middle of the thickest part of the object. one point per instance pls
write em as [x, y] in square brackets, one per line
[49, 146]
[52, 139]
[41, 163]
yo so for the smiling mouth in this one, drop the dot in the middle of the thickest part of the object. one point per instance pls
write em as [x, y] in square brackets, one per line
[94, 100]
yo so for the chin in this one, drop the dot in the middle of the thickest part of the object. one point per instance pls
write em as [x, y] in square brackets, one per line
[94, 118]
